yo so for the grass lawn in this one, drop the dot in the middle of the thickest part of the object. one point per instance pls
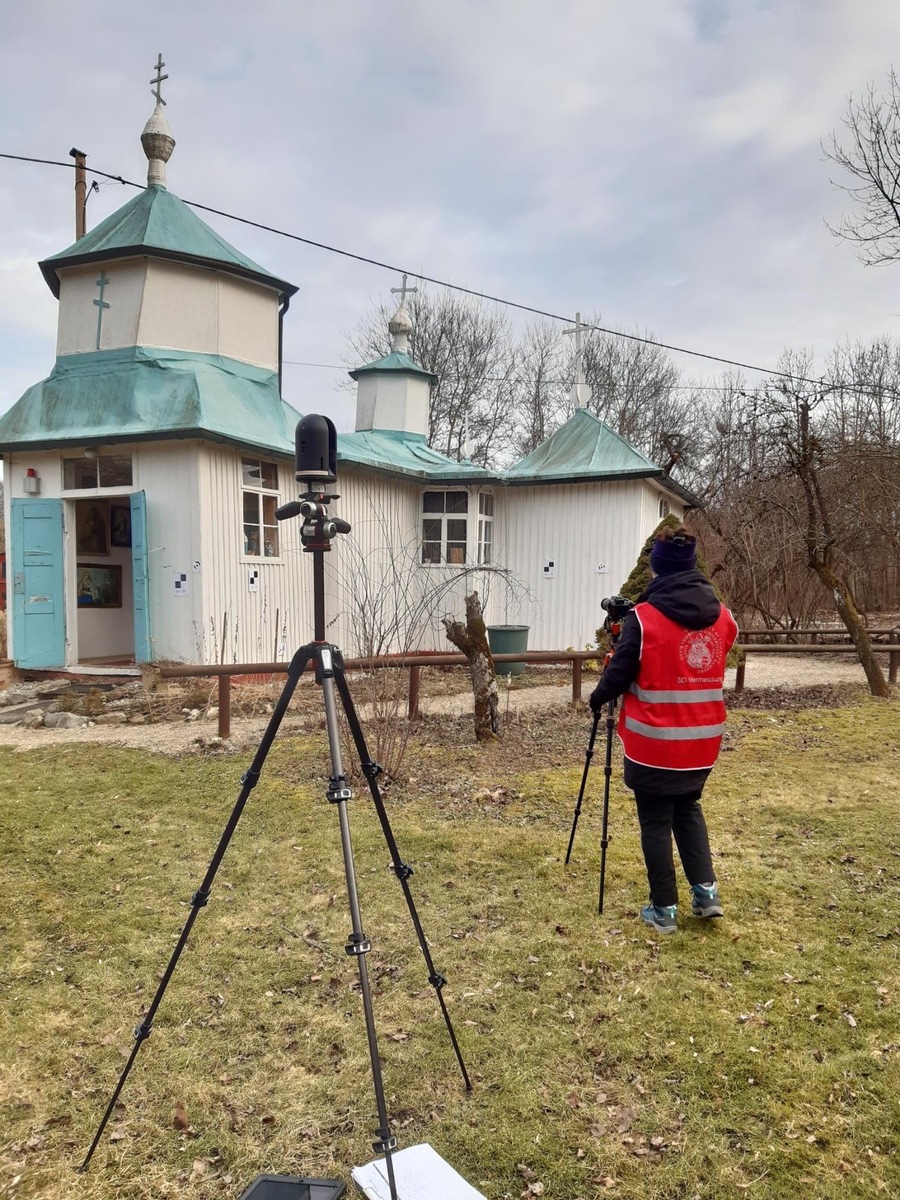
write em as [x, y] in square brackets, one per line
[756, 1056]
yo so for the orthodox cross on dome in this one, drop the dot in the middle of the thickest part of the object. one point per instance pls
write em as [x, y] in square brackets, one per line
[157, 91]
[400, 326]
[404, 291]
[101, 304]
[580, 392]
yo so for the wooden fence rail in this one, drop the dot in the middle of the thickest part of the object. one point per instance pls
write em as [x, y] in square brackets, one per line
[414, 663]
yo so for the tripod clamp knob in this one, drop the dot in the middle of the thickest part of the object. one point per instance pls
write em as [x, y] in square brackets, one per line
[338, 790]
[357, 943]
[388, 1142]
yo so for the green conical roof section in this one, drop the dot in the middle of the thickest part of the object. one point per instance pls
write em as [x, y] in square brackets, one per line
[157, 223]
[106, 397]
[586, 449]
[405, 454]
[397, 360]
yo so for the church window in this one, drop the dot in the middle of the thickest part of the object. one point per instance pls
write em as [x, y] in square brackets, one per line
[259, 499]
[485, 527]
[664, 509]
[444, 527]
[97, 471]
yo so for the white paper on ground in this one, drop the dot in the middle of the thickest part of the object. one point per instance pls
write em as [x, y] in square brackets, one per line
[419, 1173]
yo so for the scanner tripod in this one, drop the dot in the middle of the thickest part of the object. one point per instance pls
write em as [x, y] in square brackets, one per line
[316, 534]
[617, 607]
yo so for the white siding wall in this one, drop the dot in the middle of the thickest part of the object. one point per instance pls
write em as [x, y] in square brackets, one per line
[578, 527]
[265, 625]
[155, 303]
[381, 593]
[78, 289]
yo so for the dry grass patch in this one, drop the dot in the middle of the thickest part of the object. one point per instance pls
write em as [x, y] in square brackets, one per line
[755, 1056]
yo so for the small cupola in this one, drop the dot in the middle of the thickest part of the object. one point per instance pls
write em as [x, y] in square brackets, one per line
[157, 137]
[394, 392]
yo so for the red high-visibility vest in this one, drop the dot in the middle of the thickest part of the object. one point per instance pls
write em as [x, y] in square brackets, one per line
[673, 714]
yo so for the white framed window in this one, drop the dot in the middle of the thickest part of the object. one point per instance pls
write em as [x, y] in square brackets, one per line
[485, 528]
[259, 499]
[445, 526]
[98, 471]
[664, 509]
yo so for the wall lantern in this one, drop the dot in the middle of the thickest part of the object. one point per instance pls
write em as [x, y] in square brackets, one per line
[31, 484]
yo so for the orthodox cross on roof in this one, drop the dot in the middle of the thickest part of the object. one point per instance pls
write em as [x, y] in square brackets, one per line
[101, 304]
[580, 393]
[404, 291]
[157, 91]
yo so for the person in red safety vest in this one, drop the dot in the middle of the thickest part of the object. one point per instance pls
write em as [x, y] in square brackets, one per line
[669, 663]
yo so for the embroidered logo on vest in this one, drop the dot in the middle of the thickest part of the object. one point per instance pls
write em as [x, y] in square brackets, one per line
[700, 649]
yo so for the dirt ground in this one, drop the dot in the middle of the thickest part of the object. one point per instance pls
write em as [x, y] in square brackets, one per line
[774, 681]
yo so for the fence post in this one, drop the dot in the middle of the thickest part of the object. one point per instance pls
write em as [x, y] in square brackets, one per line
[893, 660]
[412, 711]
[224, 707]
[576, 682]
[739, 673]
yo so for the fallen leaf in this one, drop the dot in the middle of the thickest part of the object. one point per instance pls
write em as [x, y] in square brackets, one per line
[623, 1118]
[180, 1120]
[850, 1019]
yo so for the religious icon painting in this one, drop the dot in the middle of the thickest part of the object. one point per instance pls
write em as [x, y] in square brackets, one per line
[92, 526]
[120, 525]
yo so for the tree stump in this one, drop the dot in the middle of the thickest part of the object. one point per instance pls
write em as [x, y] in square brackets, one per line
[471, 639]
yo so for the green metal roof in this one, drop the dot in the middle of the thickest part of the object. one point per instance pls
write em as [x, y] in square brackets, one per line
[395, 361]
[405, 454]
[159, 224]
[586, 449]
[141, 394]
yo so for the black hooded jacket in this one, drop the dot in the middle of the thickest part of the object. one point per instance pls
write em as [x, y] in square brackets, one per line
[686, 597]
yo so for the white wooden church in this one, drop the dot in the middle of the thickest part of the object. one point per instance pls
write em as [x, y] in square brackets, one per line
[143, 474]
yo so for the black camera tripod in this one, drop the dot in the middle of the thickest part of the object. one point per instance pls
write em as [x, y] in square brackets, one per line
[613, 627]
[316, 534]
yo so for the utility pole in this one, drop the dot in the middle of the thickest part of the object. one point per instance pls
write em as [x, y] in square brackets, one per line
[80, 192]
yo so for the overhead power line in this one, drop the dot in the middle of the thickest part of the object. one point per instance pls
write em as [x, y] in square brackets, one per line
[374, 262]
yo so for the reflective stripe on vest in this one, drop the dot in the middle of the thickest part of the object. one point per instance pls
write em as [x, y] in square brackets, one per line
[679, 697]
[669, 733]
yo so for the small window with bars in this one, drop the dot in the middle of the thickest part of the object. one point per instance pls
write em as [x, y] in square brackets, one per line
[259, 499]
[445, 527]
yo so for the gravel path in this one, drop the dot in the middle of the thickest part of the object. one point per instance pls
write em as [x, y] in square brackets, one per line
[179, 737]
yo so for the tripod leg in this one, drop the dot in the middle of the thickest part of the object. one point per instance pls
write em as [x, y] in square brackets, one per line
[588, 755]
[358, 945]
[402, 870]
[201, 896]
[607, 772]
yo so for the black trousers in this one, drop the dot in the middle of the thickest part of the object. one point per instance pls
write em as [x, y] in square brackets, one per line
[661, 818]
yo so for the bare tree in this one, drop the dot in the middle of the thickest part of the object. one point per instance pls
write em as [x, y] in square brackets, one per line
[541, 386]
[471, 639]
[802, 450]
[869, 153]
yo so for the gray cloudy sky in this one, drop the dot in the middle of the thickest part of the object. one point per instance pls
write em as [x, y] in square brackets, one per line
[657, 161]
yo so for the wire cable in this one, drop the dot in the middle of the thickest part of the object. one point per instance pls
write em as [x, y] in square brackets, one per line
[374, 262]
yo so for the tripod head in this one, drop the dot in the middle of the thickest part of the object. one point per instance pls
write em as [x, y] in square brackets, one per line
[315, 460]
[617, 609]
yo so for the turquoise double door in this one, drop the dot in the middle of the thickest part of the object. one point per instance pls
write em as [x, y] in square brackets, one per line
[37, 595]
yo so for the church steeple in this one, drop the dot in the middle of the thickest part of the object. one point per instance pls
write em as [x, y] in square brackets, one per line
[157, 137]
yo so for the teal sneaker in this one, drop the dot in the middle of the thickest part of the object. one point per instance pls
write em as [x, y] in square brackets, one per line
[661, 917]
[705, 900]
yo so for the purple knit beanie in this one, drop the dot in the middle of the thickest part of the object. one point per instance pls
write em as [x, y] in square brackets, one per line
[669, 555]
